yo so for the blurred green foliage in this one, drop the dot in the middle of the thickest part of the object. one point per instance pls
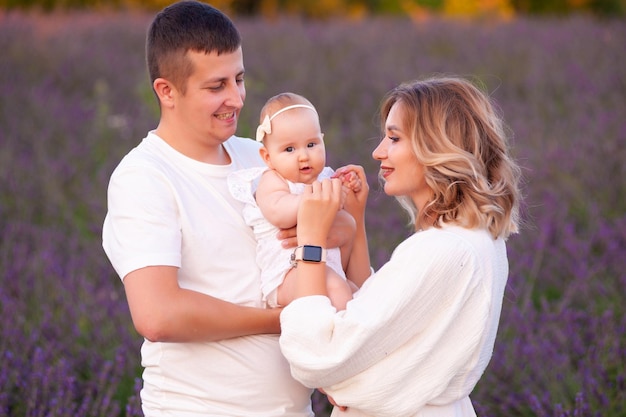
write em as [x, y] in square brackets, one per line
[350, 8]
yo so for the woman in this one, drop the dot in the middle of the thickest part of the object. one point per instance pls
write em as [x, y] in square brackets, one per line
[418, 335]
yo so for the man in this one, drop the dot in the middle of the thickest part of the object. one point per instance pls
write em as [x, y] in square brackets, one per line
[177, 239]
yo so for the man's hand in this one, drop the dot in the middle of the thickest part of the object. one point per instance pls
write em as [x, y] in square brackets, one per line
[288, 237]
[332, 400]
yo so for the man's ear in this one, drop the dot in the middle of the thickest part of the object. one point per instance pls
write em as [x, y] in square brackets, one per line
[265, 155]
[165, 91]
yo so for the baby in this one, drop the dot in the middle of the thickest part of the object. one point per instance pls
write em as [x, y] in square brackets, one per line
[293, 150]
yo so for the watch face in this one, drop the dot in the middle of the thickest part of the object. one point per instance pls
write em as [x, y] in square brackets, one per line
[311, 253]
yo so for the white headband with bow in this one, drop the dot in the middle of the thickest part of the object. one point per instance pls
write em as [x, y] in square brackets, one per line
[265, 128]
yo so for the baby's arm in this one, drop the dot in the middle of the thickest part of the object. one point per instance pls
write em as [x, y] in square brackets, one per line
[278, 205]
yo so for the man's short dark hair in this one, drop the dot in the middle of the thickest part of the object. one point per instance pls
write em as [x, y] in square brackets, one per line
[182, 27]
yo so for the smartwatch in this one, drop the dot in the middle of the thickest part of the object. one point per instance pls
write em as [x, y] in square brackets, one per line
[308, 253]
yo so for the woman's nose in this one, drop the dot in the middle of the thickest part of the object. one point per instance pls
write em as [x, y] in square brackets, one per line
[380, 151]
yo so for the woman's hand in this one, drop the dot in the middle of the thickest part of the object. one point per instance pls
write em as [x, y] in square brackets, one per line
[319, 205]
[354, 177]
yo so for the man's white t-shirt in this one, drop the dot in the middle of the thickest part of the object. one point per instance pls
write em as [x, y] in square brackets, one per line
[168, 209]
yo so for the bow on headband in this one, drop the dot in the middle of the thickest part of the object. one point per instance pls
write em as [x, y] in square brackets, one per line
[265, 128]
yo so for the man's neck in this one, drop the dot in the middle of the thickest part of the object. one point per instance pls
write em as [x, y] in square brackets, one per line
[201, 149]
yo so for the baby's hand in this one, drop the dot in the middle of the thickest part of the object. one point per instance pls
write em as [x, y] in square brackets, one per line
[351, 180]
[354, 183]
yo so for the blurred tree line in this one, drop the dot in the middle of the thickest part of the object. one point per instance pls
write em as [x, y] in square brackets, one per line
[349, 8]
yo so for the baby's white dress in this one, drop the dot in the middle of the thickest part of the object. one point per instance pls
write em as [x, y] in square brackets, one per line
[271, 257]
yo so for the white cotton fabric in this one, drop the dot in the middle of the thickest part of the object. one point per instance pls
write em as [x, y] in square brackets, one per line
[168, 209]
[272, 258]
[416, 337]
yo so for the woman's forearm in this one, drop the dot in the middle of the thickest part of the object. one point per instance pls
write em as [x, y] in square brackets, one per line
[311, 279]
[359, 266]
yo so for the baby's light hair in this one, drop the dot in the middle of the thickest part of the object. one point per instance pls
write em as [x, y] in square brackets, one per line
[280, 101]
[276, 105]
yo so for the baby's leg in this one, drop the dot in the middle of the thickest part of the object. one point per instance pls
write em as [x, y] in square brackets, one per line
[285, 291]
[339, 290]
[346, 250]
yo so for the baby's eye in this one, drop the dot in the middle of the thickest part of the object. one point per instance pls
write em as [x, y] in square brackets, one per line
[289, 149]
[310, 145]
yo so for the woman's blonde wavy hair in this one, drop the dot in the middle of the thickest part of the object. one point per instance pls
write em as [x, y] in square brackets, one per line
[460, 139]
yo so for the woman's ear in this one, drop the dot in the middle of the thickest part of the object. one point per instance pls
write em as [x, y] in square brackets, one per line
[165, 91]
[265, 155]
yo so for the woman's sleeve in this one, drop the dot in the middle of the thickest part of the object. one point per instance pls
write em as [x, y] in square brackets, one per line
[411, 300]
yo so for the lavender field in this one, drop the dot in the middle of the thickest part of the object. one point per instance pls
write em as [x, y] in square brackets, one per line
[74, 98]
